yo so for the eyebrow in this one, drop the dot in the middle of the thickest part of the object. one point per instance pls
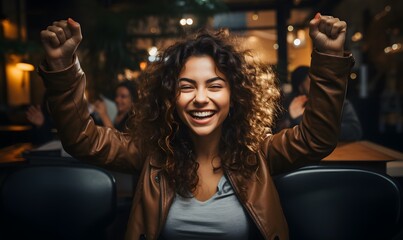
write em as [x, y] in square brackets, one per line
[208, 80]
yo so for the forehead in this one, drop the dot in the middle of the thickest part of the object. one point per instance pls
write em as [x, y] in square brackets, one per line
[200, 67]
[122, 90]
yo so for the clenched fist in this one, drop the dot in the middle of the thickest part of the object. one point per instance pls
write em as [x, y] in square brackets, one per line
[60, 41]
[328, 34]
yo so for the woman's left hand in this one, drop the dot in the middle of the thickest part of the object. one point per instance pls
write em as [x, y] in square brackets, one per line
[35, 116]
[328, 34]
[100, 108]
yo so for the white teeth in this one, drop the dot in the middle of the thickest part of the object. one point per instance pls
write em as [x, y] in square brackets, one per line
[202, 114]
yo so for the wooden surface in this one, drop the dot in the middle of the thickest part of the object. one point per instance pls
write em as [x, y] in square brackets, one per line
[364, 151]
[14, 128]
[13, 153]
[355, 151]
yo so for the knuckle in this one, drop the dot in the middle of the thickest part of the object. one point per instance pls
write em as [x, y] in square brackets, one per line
[59, 30]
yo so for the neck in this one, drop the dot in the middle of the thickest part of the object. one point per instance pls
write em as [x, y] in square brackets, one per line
[206, 147]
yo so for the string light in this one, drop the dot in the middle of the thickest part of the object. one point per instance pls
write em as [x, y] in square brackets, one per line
[290, 28]
[186, 21]
[356, 37]
[297, 42]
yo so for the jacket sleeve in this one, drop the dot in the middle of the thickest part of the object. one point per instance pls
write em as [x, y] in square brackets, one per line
[317, 134]
[80, 136]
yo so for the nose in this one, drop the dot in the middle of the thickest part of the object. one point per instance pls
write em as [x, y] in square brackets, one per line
[201, 96]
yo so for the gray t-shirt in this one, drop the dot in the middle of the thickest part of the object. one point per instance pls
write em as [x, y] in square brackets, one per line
[220, 217]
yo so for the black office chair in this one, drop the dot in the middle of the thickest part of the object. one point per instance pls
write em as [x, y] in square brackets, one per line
[339, 204]
[57, 202]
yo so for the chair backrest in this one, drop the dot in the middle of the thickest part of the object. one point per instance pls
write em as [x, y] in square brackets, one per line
[339, 203]
[57, 202]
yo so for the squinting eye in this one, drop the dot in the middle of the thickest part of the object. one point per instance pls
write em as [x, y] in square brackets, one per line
[186, 88]
[216, 87]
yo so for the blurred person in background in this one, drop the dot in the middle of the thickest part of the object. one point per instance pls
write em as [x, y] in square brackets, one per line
[42, 130]
[295, 106]
[125, 96]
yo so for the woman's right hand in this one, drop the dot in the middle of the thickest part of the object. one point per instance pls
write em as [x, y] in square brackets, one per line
[60, 42]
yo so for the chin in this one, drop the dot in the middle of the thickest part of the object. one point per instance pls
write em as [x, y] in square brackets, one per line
[204, 132]
[201, 133]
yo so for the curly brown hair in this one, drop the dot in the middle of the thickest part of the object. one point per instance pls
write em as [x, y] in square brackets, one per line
[158, 131]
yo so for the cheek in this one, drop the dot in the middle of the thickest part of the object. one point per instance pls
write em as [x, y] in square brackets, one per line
[183, 100]
[179, 105]
[127, 102]
[222, 99]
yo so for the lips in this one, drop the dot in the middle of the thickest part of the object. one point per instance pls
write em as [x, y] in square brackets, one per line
[201, 114]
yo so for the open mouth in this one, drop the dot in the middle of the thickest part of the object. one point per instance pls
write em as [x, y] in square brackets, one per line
[201, 114]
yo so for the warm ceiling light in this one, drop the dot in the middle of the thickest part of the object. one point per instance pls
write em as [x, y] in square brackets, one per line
[290, 28]
[356, 37]
[25, 67]
[394, 48]
[189, 21]
[182, 22]
[297, 42]
[153, 51]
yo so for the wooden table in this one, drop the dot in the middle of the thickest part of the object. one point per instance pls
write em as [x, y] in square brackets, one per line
[13, 153]
[14, 128]
[363, 154]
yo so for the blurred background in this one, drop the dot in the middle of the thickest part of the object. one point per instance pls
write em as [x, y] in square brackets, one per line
[121, 37]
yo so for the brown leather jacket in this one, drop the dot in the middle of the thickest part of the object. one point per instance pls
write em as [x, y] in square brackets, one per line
[312, 140]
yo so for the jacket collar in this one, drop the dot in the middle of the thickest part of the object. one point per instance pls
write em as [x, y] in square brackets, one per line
[154, 162]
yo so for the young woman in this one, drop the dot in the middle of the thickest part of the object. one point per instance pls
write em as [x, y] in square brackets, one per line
[201, 133]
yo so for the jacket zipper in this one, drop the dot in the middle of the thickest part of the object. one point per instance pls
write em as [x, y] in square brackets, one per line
[245, 206]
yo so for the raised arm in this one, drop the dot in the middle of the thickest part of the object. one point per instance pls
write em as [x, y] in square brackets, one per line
[65, 83]
[317, 134]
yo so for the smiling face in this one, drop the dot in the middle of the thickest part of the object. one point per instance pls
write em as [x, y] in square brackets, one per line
[123, 100]
[204, 99]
